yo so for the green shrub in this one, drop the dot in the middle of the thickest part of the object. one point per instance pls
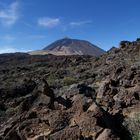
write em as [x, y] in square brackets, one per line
[68, 81]
[50, 79]
[133, 125]
[11, 111]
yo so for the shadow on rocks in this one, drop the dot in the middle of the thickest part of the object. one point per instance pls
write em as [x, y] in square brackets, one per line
[115, 123]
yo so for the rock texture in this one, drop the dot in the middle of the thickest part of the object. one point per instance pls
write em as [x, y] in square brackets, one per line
[69, 46]
[70, 97]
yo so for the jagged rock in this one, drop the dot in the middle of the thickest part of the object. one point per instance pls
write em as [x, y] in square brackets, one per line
[104, 86]
[86, 90]
[103, 92]
[93, 107]
[58, 120]
[124, 44]
[12, 136]
[107, 135]
[68, 133]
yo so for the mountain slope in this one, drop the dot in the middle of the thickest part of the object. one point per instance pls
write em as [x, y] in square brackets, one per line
[71, 97]
[69, 46]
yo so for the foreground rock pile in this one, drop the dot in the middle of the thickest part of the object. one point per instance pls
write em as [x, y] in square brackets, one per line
[70, 98]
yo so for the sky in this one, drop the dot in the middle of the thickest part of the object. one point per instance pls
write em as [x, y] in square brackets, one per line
[27, 25]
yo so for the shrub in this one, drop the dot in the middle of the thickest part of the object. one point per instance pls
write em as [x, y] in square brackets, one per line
[133, 125]
[68, 81]
[11, 111]
[51, 78]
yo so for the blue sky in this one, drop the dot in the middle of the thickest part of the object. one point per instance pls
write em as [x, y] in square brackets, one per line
[32, 24]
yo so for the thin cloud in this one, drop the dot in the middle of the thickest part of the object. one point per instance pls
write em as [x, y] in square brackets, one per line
[79, 23]
[48, 22]
[75, 24]
[11, 49]
[7, 49]
[9, 15]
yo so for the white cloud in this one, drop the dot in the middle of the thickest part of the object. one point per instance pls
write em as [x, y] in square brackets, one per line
[79, 23]
[75, 24]
[11, 49]
[48, 22]
[7, 49]
[9, 15]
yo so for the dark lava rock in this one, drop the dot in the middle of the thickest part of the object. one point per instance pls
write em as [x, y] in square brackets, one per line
[70, 97]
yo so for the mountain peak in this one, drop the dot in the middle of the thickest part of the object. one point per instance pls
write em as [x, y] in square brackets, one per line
[66, 37]
[69, 46]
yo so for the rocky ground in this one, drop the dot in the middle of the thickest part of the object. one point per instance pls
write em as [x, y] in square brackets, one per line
[71, 97]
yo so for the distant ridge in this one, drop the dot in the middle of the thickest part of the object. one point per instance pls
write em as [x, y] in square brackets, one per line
[68, 46]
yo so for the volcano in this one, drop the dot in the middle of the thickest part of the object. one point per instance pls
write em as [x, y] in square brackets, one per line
[68, 46]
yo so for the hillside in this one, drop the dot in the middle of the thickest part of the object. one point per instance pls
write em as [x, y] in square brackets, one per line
[71, 97]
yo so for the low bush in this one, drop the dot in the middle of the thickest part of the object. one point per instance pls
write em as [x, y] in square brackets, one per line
[69, 81]
[133, 125]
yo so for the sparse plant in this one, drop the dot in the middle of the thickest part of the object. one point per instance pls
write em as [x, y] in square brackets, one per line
[51, 78]
[133, 125]
[12, 111]
[68, 81]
